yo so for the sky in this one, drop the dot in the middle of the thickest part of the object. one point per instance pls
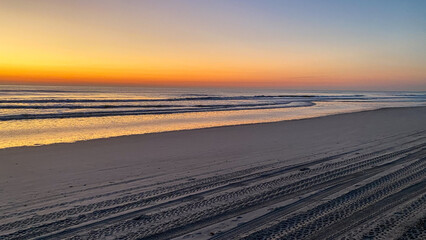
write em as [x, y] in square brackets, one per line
[323, 44]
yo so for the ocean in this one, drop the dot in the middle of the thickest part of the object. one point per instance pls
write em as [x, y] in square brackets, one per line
[39, 115]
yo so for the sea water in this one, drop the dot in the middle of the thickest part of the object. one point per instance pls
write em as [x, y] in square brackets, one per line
[38, 115]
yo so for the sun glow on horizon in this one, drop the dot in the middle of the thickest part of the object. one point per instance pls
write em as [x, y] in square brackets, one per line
[224, 43]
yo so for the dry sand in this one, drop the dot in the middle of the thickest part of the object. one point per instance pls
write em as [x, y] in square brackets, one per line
[347, 176]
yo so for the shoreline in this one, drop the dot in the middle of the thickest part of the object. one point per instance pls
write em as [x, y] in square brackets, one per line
[132, 145]
[213, 127]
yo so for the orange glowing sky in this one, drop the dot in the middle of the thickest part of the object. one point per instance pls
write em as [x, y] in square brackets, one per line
[307, 44]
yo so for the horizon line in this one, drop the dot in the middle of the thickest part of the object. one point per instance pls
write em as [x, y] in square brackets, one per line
[141, 85]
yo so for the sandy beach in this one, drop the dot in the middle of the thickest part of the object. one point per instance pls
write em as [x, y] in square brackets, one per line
[347, 176]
